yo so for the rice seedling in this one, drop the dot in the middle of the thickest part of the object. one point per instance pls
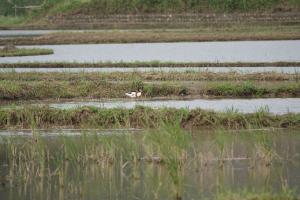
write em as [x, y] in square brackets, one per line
[167, 155]
[264, 149]
[222, 139]
[170, 145]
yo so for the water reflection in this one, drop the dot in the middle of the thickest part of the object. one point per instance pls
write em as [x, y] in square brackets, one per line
[78, 168]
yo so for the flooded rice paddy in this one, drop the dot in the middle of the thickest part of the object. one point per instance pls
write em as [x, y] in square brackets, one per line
[202, 166]
[242, 70]
[273, 105]
[238, 51]
[163, 163]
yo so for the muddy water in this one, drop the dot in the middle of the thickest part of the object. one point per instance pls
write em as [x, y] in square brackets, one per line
[244, 170]
[237, 51]
[276, 105]
[243, 70]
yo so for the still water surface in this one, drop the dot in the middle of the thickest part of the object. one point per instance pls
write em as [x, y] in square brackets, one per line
[236, 51]
[24, 33]
[274, 105]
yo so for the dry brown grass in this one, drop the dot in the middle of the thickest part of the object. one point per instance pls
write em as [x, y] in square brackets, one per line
[205, 34]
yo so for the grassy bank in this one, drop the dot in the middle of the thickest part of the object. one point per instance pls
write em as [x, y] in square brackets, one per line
[32, 90]
[68, 13]
[140, 117]
[188, 75]
[165, 6]
[204, 34]
[156, 64]
[94, 7]
[10, 52]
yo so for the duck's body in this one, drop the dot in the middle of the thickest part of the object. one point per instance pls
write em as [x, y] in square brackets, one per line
[134, 94]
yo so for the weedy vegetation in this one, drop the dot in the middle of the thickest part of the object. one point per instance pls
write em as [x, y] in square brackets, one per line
[140, 117]
[77, 88]
[10, 51]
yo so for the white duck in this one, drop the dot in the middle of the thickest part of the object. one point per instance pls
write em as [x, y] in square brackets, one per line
[134, 94]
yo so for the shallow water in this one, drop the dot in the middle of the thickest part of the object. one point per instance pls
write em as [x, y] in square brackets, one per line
[65, 132]
[237, 51]
[274, 105]
[242, 170]
[242, 70]
[24, 33]
[30, 33]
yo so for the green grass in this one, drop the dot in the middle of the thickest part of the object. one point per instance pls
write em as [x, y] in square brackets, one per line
[27, 18]
[63, 89]
[252, 195]
[10, 21]
[24, 52]
[139, 117]
[165, 6]
[170, 144]
[243, 89]
[141, 77]
[247, 89]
